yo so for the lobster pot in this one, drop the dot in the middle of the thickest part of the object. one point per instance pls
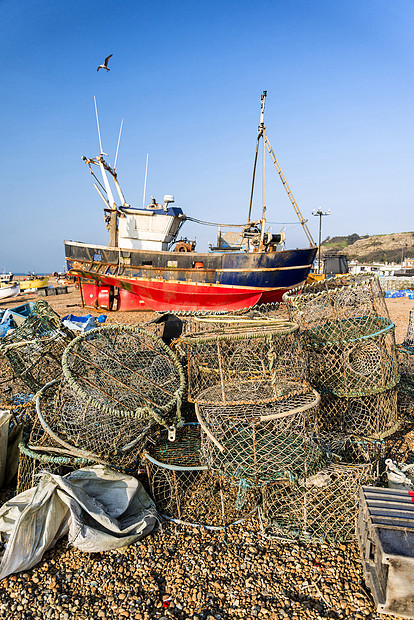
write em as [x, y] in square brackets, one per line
[351, 449]
[259, 316]
[35, 348]
[32, 463]
[374, 416]
[89, 429]
[10, 383]
[121, 367]
[355, 365]
[185, 490]
[405, 354]
[409, 337]
[267, 355]
[258, 442]
[335, 300]
[321, 507]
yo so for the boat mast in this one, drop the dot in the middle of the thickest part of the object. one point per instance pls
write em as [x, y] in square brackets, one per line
[266, 144]
[109, 201]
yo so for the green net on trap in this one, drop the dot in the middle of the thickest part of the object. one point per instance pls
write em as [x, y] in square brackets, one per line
[32, 463]
[321, 507]
[260, 441]
[267, 353]
[356, 365]
[374, 416]
[333, 301]
[186, 491]
[34, 349]
[118, 381]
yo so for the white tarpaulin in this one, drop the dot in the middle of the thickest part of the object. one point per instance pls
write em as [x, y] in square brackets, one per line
[98, 508]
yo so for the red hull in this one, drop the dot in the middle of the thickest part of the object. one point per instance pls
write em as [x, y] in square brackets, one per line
[112, 293]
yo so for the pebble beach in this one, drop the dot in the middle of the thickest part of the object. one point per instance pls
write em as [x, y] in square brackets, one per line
[193, 573]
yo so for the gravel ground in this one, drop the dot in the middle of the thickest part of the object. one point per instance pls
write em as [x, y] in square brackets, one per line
[205, 575]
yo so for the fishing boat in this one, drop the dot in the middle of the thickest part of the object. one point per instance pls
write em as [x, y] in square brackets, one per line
[6, 278]
[146, 266]
[12, 289]
[34, 282]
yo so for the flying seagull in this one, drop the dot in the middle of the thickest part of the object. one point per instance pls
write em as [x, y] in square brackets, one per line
[105, 65]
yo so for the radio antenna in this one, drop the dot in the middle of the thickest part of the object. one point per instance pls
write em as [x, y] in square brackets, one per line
[97, 123]
[145, 183]
[119, 139]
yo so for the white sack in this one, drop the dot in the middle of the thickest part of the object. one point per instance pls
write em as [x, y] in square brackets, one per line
[98, 508]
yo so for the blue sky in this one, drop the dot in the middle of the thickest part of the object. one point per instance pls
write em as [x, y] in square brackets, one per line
[186, 77]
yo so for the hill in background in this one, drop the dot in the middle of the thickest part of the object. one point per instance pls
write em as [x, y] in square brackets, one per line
[375, 248]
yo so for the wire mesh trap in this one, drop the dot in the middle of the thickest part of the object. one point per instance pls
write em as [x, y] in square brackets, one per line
[259, 316]
[374, 416]
[10, 383]
[321, 507]
[118, 382]
[340, 447]
[186, 491]
[409, 337]
[259, 442]
[405, 355]
[334, 300]
[34, 349]
[86, 429]
[356, 365]
[268, 353]
[125, 370]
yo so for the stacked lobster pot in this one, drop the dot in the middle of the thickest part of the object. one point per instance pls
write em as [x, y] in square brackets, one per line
[405, 354]
[31, 354]
[184, 488]
[118, 383]
[350, 344]
[255, 408]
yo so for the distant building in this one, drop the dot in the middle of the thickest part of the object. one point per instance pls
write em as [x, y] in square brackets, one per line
[381, 269]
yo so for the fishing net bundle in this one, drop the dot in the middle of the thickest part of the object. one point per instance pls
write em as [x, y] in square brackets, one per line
[186, 491]
[265, 355]
[320, 507]
[359, 363]
[118, 382]
[374, 416]
[259, 441]
[334, 301]
[34, 349]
